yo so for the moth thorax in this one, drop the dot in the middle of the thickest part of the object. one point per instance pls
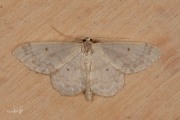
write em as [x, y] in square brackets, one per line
[87, 48]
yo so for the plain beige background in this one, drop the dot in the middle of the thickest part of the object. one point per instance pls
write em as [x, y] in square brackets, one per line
[153, 94]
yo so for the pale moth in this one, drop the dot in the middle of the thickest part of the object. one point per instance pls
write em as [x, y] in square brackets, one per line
[89, 67]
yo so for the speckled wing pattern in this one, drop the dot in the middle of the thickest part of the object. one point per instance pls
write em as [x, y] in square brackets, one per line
[106, 80]
[70, 79]
[109, 62]
[128, 57]
[46, 57]
[62, 61]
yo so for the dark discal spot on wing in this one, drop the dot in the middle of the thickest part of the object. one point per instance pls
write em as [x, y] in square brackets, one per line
[128, 49]
[46, 49]
[67, 69]
[107, 69]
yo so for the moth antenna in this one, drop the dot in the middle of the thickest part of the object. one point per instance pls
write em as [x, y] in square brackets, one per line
[97, 38]
[64, 35]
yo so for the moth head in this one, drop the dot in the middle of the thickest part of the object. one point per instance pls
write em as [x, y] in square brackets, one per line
[86, 39]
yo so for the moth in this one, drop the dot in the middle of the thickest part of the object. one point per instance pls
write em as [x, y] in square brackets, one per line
[88, 66]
